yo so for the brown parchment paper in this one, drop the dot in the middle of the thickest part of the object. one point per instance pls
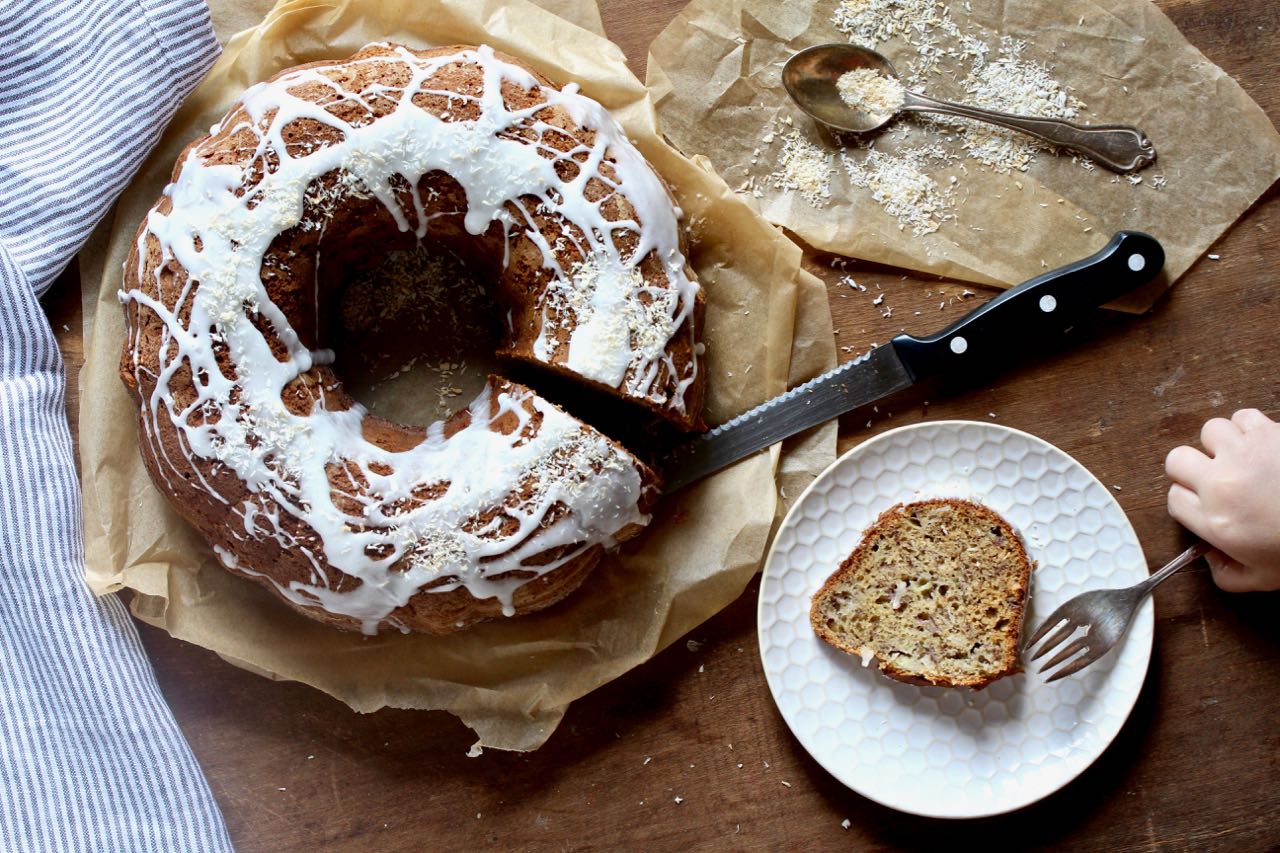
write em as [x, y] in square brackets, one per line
[715, 73]
[768, 325]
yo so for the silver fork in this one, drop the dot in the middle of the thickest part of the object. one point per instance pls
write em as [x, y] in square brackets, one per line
[1104, 614]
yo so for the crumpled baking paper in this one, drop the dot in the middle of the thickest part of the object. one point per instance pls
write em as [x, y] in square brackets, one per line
[715, 73]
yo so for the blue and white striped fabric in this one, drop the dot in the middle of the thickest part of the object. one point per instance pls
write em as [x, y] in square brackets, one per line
[90, 756]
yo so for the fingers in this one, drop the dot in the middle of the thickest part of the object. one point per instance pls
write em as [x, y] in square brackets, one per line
[1219, 434]
[1187, 466]
[1250, 419]
[1230, 575]
[1184, 506]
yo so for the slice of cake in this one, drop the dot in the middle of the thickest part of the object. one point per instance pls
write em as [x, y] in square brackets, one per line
[935, 593]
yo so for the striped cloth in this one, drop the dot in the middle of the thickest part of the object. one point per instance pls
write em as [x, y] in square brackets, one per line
[90, 756]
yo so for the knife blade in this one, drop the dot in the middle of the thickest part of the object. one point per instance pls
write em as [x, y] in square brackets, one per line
[1046, 305]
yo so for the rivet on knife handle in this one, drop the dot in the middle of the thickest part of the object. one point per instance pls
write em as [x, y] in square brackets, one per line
[1034, 310]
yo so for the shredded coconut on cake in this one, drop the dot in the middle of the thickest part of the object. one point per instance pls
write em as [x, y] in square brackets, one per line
[611, 310]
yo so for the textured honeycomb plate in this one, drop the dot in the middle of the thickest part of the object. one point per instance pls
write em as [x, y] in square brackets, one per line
[953, 752]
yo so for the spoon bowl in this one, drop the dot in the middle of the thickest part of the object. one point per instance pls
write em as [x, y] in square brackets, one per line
[811, 78]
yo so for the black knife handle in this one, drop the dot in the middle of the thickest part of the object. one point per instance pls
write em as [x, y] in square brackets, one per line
[1035, 310]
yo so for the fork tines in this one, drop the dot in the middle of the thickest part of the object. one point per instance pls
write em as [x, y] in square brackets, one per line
[1081, 644]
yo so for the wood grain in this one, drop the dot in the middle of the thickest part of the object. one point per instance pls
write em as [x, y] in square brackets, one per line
[1197, 766]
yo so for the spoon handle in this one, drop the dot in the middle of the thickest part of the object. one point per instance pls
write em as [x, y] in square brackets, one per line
[1120, 147]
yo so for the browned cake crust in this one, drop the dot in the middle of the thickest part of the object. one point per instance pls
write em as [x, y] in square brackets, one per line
[351, 231]
[935, 592]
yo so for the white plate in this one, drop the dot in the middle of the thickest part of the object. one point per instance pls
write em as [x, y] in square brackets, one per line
[948, 752]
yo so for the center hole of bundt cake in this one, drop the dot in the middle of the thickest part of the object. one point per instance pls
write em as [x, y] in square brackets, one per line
[417, 326]
[414, 334]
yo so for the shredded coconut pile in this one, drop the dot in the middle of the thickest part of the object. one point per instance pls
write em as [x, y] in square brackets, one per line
[804, 167]
[899, 183]
[871, 92]
[925, 25]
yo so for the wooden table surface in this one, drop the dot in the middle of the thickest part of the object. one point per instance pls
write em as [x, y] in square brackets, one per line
[1197, 766]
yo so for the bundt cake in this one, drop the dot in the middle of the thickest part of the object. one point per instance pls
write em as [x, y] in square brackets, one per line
[934, 592]
[229, 293]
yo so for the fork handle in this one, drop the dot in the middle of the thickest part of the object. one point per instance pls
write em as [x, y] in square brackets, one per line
[1181, 561]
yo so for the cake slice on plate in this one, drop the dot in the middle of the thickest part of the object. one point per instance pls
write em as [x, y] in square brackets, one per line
[935, 593]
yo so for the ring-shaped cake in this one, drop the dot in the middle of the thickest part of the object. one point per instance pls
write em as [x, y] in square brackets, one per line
[312, 178]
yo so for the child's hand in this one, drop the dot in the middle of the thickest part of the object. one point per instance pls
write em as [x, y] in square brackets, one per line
[1231, 498]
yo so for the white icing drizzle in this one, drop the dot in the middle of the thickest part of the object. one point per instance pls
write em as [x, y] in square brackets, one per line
[575, 488]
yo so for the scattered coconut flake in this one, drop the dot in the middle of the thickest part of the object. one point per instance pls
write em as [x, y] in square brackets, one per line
[991, 74]
[918, 23]
[845, 824]
[1011, 84]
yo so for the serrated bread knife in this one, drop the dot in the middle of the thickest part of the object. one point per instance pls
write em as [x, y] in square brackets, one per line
[1044, 306]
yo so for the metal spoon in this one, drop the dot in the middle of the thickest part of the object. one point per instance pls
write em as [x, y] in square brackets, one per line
[810, 78]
